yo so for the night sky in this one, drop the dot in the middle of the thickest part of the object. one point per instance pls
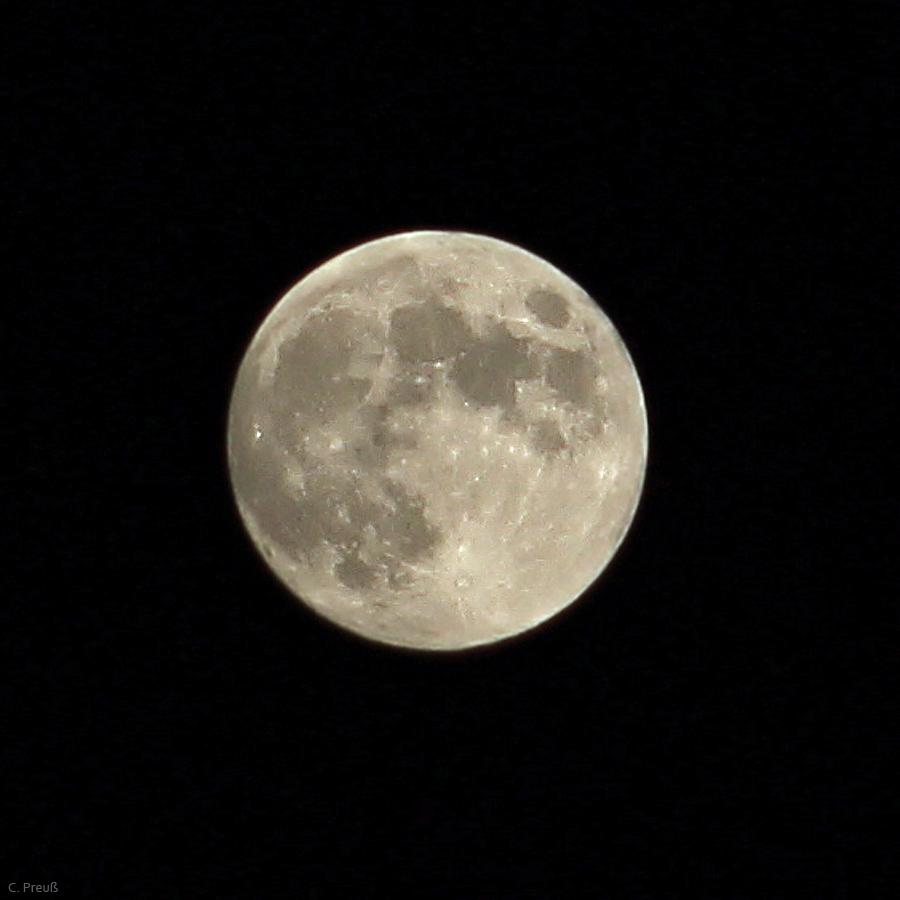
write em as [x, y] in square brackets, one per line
[710, 720]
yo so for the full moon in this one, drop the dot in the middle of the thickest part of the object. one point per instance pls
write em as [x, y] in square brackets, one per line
[437, 440]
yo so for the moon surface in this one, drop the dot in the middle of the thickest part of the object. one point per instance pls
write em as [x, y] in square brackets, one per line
[437, 440]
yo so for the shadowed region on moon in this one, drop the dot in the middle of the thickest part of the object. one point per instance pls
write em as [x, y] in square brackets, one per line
[422, 440]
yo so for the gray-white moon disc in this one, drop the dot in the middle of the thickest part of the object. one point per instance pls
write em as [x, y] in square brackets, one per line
[437, 440]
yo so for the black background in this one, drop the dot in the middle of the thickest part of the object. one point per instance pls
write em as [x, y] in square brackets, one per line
[710, 721]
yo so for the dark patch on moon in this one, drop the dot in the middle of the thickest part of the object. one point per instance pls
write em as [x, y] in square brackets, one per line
[370, 456]
[405, 390]
[572, 374]
[548, 307]
[398, 578]
[337, 510]
[427, 332]
[547, 438]
[382, 437]
[325, 511]
[487, 370]
[405, 528]
[285, 520]
[312, 375]
[352, 572]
